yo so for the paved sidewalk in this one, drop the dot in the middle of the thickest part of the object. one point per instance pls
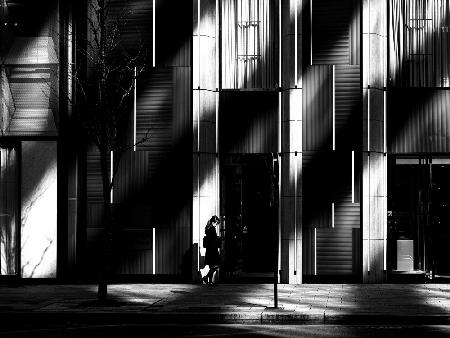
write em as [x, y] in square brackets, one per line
[232, 303]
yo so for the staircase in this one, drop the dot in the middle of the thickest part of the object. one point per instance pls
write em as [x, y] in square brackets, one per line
[32, 74]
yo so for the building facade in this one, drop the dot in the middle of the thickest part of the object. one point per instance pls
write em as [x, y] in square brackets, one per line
[316, 129]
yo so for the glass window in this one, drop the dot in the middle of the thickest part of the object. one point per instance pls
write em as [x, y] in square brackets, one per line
[419, 39]
[29, 58]
[249, 44]
[8, 211]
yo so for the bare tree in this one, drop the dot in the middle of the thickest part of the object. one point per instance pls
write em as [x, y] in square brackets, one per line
[105, 101]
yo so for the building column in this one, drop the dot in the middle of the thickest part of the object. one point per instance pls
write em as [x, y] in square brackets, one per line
[205, 112]
[291, 143]
[374, 201]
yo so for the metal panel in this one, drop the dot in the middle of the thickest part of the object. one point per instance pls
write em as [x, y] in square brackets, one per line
[334, 251]
[317, 198]
[154, 111]
[348, 107]
[317, 108]
[418, 120]
[331, 21]
[136, 24]
[173, 33]
[248, 122]
[94, 192]
[327, 180]
[151, 191]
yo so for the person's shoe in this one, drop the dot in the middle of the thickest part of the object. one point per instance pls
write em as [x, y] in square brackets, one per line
[205, 280]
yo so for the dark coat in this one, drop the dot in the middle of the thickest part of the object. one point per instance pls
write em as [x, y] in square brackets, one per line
[211, 243]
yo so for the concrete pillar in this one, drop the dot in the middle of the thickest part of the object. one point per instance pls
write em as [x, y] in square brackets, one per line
[291, 143]
[374, 207]
[205, 111]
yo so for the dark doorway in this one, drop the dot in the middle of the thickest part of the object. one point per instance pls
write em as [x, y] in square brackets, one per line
[250, 205]
[419, 216]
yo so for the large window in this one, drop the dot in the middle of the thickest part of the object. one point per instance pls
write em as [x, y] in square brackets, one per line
[419, 43]
[8, 211]
[249, 44]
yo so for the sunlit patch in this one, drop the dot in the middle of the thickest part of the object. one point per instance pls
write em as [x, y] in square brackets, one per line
[38, 209]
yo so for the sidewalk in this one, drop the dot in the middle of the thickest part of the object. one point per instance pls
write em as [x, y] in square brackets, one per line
[232, 303]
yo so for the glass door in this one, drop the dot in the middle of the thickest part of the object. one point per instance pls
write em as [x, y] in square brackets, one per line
[408, 190]
[419, 216]
[9, 222]
[250, 206]
[439, 235]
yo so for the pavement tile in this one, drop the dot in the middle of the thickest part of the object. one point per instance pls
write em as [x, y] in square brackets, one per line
[238, 303]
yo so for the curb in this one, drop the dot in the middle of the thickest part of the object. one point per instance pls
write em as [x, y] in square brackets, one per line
[265, 317]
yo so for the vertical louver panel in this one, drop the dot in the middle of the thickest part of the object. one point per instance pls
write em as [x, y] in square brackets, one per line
[317, 108]
[94, 192]
[355, 33]
[248, 122]
[154, 111]
[327, 180]
[316, 189]
[331, 22]
[418, 120]
[348, 107]
[334, 251]
[136, 27]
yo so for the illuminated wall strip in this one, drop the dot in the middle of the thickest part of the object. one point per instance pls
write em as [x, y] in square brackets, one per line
[279, 177]
[279, 43]
[134, 109]
[217, 122]
[368, 119]
[217, 45]
[154, 251]
[295, 44]
[198, 43]
[332, 214]
[315, 251]
[384, 123]
[353, 176]
[279, 76]
[295, 212]
[368, 218]
[310, 32]
[111, 174]
[334, 107]
[198, 139]
[154, 34]
[385, 213]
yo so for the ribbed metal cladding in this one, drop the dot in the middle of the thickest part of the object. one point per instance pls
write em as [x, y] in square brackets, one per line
[131, 176]
[334, 252]
[136, 22]
[316, 189]
[248, 122]
[327, 180]
[94, 188]
[317, 108]
[418, 120]
[355, 33]
[331, 22]
[154, 111]
[348, 107]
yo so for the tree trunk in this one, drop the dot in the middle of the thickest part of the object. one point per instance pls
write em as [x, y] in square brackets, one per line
[106, 253]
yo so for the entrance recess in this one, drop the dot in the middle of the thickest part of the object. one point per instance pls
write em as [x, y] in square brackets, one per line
[419, 216]
[250, 205]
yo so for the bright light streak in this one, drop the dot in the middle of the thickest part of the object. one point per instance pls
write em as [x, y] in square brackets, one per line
[154, 33]
[154, 251]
